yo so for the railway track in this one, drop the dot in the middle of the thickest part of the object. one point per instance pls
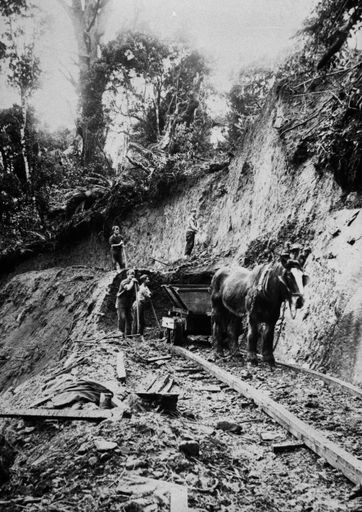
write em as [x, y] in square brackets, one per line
[330, 406]
[254, 447]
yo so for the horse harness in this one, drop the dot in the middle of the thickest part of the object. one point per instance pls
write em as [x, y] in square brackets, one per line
[262, 289]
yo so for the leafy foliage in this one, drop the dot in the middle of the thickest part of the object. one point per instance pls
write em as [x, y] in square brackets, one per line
[24, 70]
[12, 7]
[154, 87]
[329, 28]
[246, 99]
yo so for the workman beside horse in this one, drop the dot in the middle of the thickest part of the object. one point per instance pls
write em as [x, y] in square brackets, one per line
[257, 294]
[143, 296]
[125, 298]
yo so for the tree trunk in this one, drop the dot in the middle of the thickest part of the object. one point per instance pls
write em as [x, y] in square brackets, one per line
[24, 110]
[88, 19]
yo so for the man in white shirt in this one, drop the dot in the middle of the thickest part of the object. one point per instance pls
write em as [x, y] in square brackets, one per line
[192, 229]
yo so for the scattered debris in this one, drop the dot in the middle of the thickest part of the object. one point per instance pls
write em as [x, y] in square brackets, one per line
[353, 218]
[287, 447]
[190, 448]
[161, 390]
[269, 436]
[356, 492]
[229, 426]
[158, 492]
[104, 446]
[211, 388]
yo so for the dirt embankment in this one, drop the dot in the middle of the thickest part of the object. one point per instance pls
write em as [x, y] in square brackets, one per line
[41, 312]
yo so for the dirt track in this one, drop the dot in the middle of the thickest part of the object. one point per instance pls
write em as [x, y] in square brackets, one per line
[59, 466]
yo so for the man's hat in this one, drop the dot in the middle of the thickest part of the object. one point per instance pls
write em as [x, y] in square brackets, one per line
[143, 278]
[295, 247]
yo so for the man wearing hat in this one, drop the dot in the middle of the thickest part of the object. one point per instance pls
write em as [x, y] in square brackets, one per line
[294, 251]
[143, 295]
[192, 229]
[125, 297]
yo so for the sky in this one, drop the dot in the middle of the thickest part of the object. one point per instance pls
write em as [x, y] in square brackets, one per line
[231, 33]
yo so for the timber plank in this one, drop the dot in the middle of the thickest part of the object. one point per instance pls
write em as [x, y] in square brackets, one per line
[159, 358]
[121, 370]
[339, 458]
[64, 414]
[178, 499]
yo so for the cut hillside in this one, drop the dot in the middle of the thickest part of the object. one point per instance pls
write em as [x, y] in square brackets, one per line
[248, 213]
[291, 181]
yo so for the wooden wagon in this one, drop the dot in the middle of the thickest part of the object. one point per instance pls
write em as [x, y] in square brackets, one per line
[190, 313]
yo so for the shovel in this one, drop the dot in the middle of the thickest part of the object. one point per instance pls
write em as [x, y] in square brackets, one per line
[137, 309]
[160, 334]
[125, 257]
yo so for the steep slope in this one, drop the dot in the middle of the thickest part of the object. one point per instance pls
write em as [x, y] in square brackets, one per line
[42, 313]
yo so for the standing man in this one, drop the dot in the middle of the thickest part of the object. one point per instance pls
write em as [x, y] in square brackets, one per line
[125, 298]
[192, 229]
[138, 309]
[117, 246]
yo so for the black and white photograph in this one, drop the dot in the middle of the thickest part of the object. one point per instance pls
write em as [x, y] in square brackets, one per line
[180, 255]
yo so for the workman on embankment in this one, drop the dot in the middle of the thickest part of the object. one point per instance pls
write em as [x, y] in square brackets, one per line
[117, 248]
[125, 298]
[192, 229]
[143, 296]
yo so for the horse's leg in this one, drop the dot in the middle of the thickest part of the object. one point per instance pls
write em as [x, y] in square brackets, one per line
[217, 325]
[252, 339]
[268, 338]
[233, 331]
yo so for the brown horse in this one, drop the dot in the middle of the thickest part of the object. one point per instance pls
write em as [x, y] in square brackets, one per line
[258, 294]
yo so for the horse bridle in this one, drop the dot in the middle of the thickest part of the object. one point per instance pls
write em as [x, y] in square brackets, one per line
[291, 294]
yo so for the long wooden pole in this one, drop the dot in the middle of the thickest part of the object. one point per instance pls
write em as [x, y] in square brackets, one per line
[137, 309]
[339, 458]
[63, 414]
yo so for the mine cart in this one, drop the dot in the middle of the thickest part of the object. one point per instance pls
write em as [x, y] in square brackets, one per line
[190, 313]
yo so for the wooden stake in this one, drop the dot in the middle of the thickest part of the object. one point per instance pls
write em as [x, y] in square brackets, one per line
[339, 458]
[121, 370]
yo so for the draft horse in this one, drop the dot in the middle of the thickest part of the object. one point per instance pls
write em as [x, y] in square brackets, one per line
[257, 294]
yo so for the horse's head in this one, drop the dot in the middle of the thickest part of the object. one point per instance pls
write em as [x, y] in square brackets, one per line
[294, 281]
